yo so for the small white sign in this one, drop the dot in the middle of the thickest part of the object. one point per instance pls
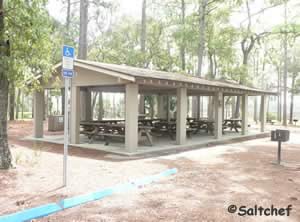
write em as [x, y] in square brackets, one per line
[68, 63]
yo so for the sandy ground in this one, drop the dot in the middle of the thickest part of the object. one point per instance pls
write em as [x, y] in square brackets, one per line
[207, 182]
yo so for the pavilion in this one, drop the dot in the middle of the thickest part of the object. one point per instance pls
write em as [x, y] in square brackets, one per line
[137, 81]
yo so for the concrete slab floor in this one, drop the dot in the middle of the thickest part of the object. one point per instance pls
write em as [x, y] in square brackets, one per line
[161, 144]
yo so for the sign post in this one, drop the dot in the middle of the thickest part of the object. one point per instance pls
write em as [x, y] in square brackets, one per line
[68, 73]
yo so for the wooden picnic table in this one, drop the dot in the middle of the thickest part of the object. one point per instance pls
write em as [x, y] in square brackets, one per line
[233, 124]
[148, 122]
[109, 130]
[204, 124]
[169, 127]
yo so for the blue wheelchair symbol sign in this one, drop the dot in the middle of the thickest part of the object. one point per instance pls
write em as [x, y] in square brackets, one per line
[68, 51]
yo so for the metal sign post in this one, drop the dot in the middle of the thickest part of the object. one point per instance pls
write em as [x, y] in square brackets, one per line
[68, 73]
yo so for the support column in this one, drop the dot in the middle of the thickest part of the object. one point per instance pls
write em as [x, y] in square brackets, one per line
[181, 116]
[262, 113]
[131, 117]
[75, 114]
[39, 102]
[244, 114]
[218, 111]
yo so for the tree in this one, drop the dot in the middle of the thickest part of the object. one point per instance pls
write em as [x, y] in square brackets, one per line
[82, 51]
[294, 70]
[202, 32]
[143, 30]
[22, 57]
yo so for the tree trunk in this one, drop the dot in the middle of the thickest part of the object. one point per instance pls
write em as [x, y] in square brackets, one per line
[18, 104]
[5, 155]
[233, 104]
[285, 73]
[82, 52]
[12, 103]
[94, 102]
[202, 39]
[182, 46]
[279, 95]
[143, 31]
[62, 92]
[22, 107]
[237, 107]
[143, 50]
[255, 110]
[68, 19]
[100, 106]
[211, 65]
[292, 98]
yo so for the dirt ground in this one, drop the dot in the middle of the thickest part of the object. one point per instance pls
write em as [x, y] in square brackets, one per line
[208, 181]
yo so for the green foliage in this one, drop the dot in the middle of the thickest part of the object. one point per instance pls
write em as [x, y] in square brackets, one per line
[271, 116]
[28, 28]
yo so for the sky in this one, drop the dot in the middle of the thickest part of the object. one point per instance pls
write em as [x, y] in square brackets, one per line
[127, 7]
[133, 8]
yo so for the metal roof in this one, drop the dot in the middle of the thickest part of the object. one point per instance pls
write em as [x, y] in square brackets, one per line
[127, 72]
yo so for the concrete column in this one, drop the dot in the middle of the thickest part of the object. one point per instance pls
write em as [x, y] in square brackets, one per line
[39, 102]
[75, 114]
[181, 116]
[218, 111]
[245, 114]
[131, 117]
[262, 113]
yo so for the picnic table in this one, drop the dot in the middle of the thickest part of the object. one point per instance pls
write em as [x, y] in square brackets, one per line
[204, 124]
[165, 127]
[232, 124]
[148, 122]
[112, 130]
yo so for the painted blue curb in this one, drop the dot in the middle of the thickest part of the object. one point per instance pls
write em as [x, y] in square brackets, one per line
[32, 213]
[74, 201]
[47, 209]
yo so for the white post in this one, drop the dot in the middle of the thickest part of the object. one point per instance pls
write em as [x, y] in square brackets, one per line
[38, 113]
[245, 114]
[218, 111]
[75, 114]
[131, 117]
[66, 130]
[263, 113]
[181, 116]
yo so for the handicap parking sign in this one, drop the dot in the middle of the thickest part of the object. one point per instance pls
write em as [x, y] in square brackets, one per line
[68, 51]
[68, 61]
